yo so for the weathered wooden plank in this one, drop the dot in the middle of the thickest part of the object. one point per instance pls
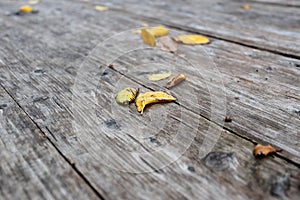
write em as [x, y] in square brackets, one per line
[292, 3]
[53, 115]
[252, 110]
[268, 27]
[31, 168]
[250, 88]
[266, 58]
[245, 176]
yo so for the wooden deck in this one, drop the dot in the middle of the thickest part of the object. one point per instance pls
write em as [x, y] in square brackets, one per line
[62, 135]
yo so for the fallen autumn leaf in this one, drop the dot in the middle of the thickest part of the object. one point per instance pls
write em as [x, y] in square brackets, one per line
[148, 37]
[192, 39]
[175, 81]
[157, 77]
[261, 150]
[152, 97]
[101, 8]
[166, 43]
[159, 31]
[126, 96]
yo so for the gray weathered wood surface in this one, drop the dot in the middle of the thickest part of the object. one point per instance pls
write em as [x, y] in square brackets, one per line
[31, 167]
[53, 69]
[265, 26]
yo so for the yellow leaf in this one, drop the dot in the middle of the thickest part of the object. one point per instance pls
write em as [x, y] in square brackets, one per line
[26, 9]
[101, 8]
[148, 38]
[32, 2]
[192, 39]
[144, 24]
[137, 31]
[157, 77]
[126, 96]
[159, 31]
[152, 97]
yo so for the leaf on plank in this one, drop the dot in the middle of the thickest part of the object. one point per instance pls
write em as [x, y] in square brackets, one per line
[159, 31]
[148, 37]
[175, 81]
[26, 9]
[246, 7]
[166, 43]
[262, 151]
[126, 96]
[152, 97]
[192, 39]
[101, 8]
[33, 2]
[157, 77]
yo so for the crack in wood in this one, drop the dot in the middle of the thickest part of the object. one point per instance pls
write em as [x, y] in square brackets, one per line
[79, 173]
[182, 28]
[208, 119]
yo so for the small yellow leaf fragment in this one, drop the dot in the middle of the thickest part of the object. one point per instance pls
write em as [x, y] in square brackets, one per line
[33, 2]
[192, 39]
[157, 77]
[126, 96]
[145, 24]
[25, 9]
[101, 8]
[152, 97]
[246, 6]
[148, 38]
[159, 31]
[137, 31]
[175, 81]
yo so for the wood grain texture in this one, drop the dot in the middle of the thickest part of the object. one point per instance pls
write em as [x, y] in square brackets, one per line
[261, 96]
[245, 73]
[269, 27]
[40, 68]
[229, 171]
[292, 3]
[31, 168]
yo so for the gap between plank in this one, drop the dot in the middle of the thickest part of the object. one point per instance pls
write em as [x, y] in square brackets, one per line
[215, 123]
[182, 28]
[269, 3]
[79, 173]
[224, 128]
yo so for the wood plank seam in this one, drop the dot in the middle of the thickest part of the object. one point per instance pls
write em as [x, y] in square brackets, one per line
[224, 128]
[181, 28]
[287, 4]
[72, 165]
[215, 123]
[65, 106]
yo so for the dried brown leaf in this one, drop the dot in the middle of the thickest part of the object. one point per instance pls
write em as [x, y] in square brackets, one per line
[166, 43]
[261, 150]
[246, 6]
[175, 81]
